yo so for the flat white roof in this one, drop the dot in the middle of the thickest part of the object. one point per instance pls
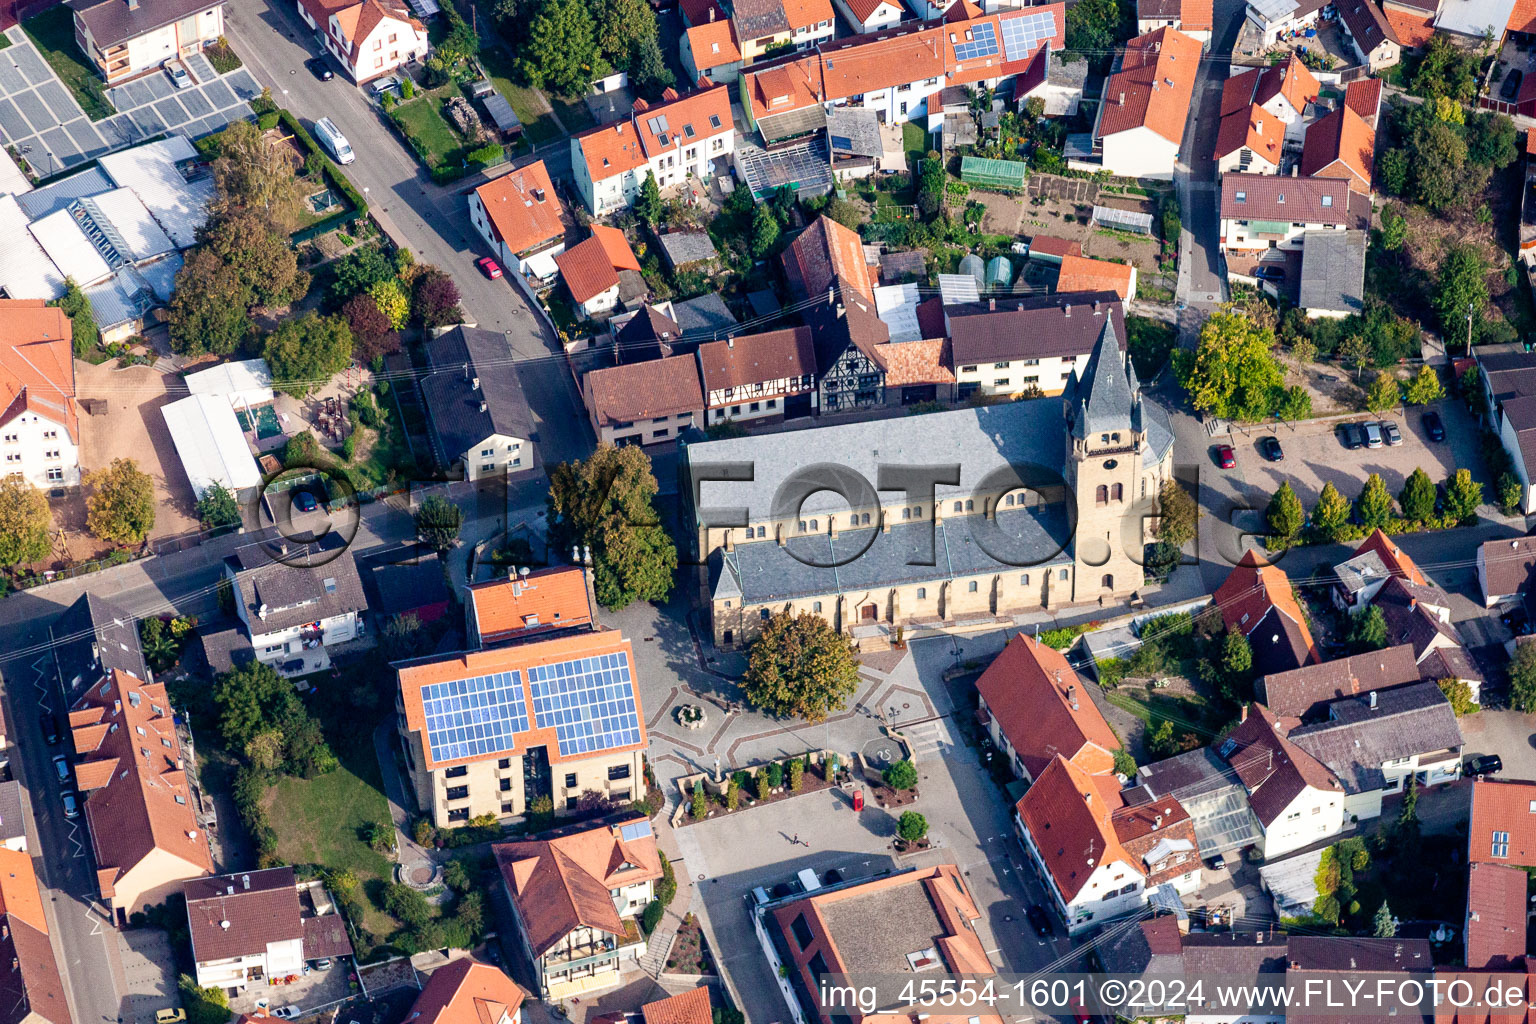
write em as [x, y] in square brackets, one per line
[243, 383]
[1273, 10]
[1474, 17]
[126, 215]
[896, 304]
[12, 180]
[211, 444]
[180, 206]
[73, 253]
[26, 272]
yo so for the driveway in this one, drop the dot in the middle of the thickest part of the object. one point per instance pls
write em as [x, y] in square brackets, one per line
[149, 974]
[154, 105]
[1509, 734]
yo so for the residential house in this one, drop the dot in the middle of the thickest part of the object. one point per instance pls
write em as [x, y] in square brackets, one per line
[1250, 140]
[1256, 600]
[467, 990]
[1493, 930]
[1210, 792]
[1007, 347]
[850, 927]
[644, 403]
[519, 216]
[245, 928]
[1261, 213]
[681, 136]
[1286, 91]
[710, 49]
[1332, 274]
[1082, 274]
[1509, 389]
[591, 268]
[1370, 34]
[917, 371]
[124, 38]
[1375, 742]
[528, 605]
[1065, 822]
[649, 333]
[1192, 17]
[1470, 25]
[92, 639]
[849, 335]
[687, 250]
[577, 896]
[1340, 145]
[492, 731]
[1140, 124]
[145, 835]
[1269, 20]
[759, 378]
[1360, 579]
[1327, 962]
[1421, 616]
[1159, 946]
[1412, 20]
[13, 823]
[295, 599]
[1503, 825]
[1305, 693]
[870, 15]
[1160, 838]
[477, 416]
[1294, 796]
[1363, 96]
[769, 27]
[1504, 570]
[826, 256]
[1035, 707]
[370, 38]
[33, 989]
[40, 423]
[690, 1007]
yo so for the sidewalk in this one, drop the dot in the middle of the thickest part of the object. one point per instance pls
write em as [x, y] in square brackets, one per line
[654, 960]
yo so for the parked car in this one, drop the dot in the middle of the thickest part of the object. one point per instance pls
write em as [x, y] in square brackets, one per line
[1351, 436]
[1041, 920]
[1434, 426]
[1389, 431]
[319, 68]
[170, 1015]
[1218, 863]
[1373, 438]
[50, 727]
[1270, 273]
[1484, 764]
[178, 72]
[289, 1012]
[1511, 87]
[1269, 447]
[1226, 458]
[489, 267]
[71, 805]
[389, 83]
[322, 964]
[61, 766]
[304, 501]
[335, 143]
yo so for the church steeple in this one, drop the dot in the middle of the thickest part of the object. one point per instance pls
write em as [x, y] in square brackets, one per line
[1104, 400]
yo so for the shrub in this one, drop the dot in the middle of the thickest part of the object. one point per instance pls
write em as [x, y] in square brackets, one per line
[266, 122]
[700, 807]
[764, 787]
[901, 775]
[651, 916]
[912, 827]
[775, 775]
[796, 771]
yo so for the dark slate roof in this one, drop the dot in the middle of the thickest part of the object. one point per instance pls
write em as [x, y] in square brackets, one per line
[1274, 769]
[1333, 271]
[1510, 373]
[895, 267]
[1409, 621]
[705, 316]
[684, 247]
[113, 21]
[649, 334]
[457, 421]
[227, 650]
[409, 586]
[852, 322]
[1233, 953]
[1023, 541]
[299, 583]
[1279, 643]
[1449, 663]
[11, 824]
[93, 638]
[756, 18]
[1102, 400]
[1036, 328]
[1152, 947]
[1359, 739]
[1509, 565]
[1346, 953]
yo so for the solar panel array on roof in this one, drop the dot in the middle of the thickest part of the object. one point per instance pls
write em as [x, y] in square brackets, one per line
[982, 43]
[589, 701]
[634, 830]
[474, 717]
[1022, 33]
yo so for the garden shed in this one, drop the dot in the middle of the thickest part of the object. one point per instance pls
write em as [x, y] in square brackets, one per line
[987, 173]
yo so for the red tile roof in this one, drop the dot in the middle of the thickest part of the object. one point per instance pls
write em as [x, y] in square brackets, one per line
[865, 9]
[713, 44]
[467, 992]
[1496, 903]
[620, 255]
[1340, 145]
[1083, 274]
[519, 217]
[808, 13]
[1522, 17]
[1196, 16]
[544, 600]
[642, 391]
[1030, 690]
[37, 369]
[1047, 245]
[1253, 128]
[915, 362]
[1154, 85]
[824, 252]
[1160, 838]
[757, 358]
[691, 1007]
[1396, 559]
[1505, 811]
[626, 145]
[1237, 91]
[1292, 80]
[1066, 814]
[586, 270]
[1250, 590]
[233, 915]
[34, 987]
[1412, 28]
[697, 12]
[1363, 96]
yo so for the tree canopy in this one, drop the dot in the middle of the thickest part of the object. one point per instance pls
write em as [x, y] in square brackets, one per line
[121, 507]
[800, 667]
[438, 522]
[1462, 287]
[561, 51]
[305, 351]
[24, 522]
[1374, 507]
[606, 502]
[258, 706]
[1178, 514]
[1285, 515]
[218, 508]
[254, 175]
[1232, 373]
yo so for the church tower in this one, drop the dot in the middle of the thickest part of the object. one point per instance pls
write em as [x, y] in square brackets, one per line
[1106, 444]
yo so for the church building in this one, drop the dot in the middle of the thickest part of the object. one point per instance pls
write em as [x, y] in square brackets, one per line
[952, 518]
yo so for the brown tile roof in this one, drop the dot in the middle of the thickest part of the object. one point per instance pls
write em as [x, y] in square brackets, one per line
[240, 914]
[826, 251]
[413, 675]
[325, 935]
[146, 805]
[1253, 128]
[1154, 85]
[1412, 28]
[1066, 814]
[691, 1007]
[688, 120]
[1366, 23]
[1083, 274]
[808, 13]
[1030, 690]
[1273, 770]
[1522, 18]
[755, 358]
[640, 391]
[1292, 80]
[467, 992]
[520, 220]
[562, 883]
[1249, 592]
[864, 9]
[1507, 809]
[701, 12]
[33, 986]
[612, 149]
[1496, 903]
[544, 600]
[1067, 324]
[586, 269]
[1272, 197]
[1197, 16]
[915, 362]
[1521, 978]
[1508, 565]
[1237, 91]
[1396, 559]
[37, 369]
[1049, 245]
[713, 44]
[1160, 838]
[1305, 692]
[1355, 955]
[1340, 145]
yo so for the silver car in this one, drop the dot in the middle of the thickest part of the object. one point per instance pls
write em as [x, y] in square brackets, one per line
[1373, 435]
[71, 805]
[61, 765]
[178, 72]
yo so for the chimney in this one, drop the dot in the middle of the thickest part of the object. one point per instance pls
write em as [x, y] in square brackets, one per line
[730, 339]
[1157, 823]
[711, 13]
[474, 383]
[1242, 714]
[992, 304]
[1095, 307]
[222, 924]
[245, 881]
[482, 407]
[133, 5]
[1373, 700]
[1072, 697]
[1066, 310]
[730, 541]
[1295, 170]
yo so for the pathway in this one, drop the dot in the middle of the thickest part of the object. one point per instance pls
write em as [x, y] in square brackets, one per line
[654, 961]
[407, 850]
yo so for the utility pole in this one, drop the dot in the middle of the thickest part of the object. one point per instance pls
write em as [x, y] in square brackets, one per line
[1469, 327]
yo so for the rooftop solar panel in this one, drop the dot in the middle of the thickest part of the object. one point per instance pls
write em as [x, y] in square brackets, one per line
[634, 830]
[1022, 33]
[589, 701]
[474, 717]
[983, 43]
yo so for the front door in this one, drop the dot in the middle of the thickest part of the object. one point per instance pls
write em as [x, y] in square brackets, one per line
[869, 612]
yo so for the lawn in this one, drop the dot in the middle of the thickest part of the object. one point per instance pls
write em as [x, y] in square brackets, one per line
[573, 113]
[913, 138]
[538, 125]
[422, 121]
[53, 32]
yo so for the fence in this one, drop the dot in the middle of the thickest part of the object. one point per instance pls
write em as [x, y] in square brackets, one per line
[118, 557]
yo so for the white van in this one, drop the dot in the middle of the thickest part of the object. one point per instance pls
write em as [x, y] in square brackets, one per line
[331, 138]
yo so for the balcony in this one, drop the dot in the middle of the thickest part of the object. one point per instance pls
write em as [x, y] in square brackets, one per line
[605, 947]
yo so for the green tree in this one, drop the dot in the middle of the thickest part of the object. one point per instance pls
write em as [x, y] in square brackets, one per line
[264, 750]
[912, 827]
[1285, 516]
[306, 351]
[121, 507]
[1177, 514]
[1393, 172]
[794, 776]
[245, 696]
[1295, 403]
[931, 183]
[1385, 925]
[605, 503]
[25, 522]
[1373, 509]
[82, 319]
[1355, 351]
[651, 75]
[1511, 494]
[800, 667]
[1446, 70]
[1330, 516]
[203, 1005]
[1522, 678]
[438, 522]
[765, 231]
[1383, 394]
[407, 904]
[1394, 228]
[1459, 695]
[1462, 287]
[1368, 631]
[1232, 372]
[1463, 496]
[250, 175]
[620, 26]
[1492, 140]
[390, 298]
[1418, 497]
[1408, 817]
[1236, 656]
[560, 51]
[1437, 155]
[700, 806]
[900, 775]
[358, 271]
[218, 508]
[1425, 387]
[1125, 764]
[210, 306]
[1093, 26]
[1160, 741]
[260, 256]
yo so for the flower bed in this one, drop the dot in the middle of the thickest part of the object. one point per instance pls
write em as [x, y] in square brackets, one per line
[717, 797]
[690, 953]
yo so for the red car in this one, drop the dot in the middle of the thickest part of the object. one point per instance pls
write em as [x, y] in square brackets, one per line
[489, 267]
[1225, 457]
